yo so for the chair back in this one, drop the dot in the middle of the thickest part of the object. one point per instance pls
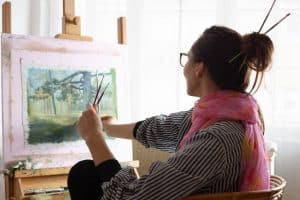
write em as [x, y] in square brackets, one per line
[275, 192]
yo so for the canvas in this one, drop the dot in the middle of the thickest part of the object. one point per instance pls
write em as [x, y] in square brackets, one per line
[46, 84]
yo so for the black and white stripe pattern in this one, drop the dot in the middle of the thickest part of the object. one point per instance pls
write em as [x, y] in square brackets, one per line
[208, 163]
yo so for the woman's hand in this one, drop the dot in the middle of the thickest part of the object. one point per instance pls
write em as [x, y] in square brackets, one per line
[89, 124]
[90, 128]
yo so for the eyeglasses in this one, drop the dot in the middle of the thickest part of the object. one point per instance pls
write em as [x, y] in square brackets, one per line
[183, 59]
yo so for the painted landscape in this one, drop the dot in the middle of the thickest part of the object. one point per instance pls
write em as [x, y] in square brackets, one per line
[56, 98]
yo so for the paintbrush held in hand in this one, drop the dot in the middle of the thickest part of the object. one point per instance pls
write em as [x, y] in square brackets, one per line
[99, 95]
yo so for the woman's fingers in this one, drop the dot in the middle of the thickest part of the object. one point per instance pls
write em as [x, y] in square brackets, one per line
[89, 123]
[91, 107]
[95, 106]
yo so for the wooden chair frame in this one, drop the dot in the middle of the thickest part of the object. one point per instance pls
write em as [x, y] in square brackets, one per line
[278, 185]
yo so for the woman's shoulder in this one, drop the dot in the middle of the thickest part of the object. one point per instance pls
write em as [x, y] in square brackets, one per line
[226, 127]
[226, 132]
[221, 131]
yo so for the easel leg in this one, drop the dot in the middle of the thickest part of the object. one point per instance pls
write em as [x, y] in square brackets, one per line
[6, 17]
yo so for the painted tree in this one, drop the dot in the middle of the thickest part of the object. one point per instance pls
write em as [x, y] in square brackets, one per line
[75, 89]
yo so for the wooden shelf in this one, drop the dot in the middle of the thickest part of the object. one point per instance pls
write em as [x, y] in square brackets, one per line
[42, 172]
[25, 182]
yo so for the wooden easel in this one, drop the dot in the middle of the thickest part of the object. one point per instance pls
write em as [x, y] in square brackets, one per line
[6, 17]
[71, 24]
[52, 177]
[122, 36]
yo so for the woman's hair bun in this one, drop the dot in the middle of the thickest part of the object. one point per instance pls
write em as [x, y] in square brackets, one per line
[258, 49]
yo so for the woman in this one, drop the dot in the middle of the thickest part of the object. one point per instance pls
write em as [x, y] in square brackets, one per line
[218, 145]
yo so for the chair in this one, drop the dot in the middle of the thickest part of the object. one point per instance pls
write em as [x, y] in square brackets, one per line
[274, 193]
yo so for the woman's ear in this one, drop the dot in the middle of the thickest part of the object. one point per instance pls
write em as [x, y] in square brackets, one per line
[199, 69]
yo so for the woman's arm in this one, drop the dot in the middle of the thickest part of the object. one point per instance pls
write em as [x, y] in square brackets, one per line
[91, 130]
[117, 130]
[162, 131]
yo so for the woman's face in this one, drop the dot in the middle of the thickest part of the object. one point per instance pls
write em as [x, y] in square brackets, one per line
[190, 75]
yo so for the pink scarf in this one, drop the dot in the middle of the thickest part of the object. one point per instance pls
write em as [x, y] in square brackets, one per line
[231, 105]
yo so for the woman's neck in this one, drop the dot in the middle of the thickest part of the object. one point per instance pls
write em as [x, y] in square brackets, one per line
[208, 88]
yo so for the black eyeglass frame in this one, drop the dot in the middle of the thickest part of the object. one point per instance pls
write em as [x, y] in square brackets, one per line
[180, 58]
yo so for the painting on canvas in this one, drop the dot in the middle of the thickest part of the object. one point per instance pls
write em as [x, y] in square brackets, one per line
[55, 99]
[46, 84]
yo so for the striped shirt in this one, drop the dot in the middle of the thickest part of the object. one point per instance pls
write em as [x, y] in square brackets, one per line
[209, 162]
